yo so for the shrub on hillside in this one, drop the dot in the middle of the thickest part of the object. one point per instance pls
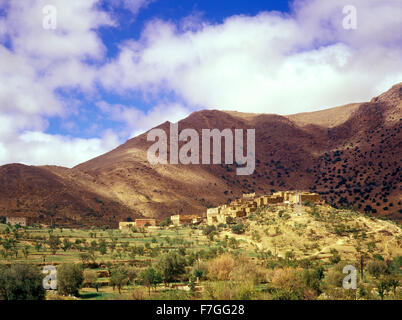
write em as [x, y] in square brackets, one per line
[200, 270]
[208, 229]
[377, 268]
[226, 290]
[21, 282]
[166, 222]
[238, 228]
[395, 266]
[246, 270]
[220, 267]
[286, 284]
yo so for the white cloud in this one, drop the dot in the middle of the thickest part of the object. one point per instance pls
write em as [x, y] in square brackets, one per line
[38, 148]
[272, 63]
[133, 5]
[34, 64]
[74, 37]
[137, 121]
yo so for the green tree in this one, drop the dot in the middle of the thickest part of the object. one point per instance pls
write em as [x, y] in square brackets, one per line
[21, 282]
[209, 229]
[9, 245]
[69, 279]
[171, 265]
[119, 278]
[131, 274]
[102, 247]
[53, 243]
[85, 258]
[312, 278]
[166, 222]
[90, 278]
[38, 246]
[150, 278]
[25, 251]
[66, 244]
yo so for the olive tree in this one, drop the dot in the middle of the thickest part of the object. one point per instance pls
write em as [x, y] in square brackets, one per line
[21, 282]
[69, 279]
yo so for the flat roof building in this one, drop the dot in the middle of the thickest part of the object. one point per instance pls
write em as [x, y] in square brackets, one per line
[180, 219]
[22, 221]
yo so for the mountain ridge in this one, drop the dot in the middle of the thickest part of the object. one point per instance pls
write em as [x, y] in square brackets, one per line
[349, 154]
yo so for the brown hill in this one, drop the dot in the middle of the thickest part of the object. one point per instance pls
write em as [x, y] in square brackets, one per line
[38, 193]
[351, 155]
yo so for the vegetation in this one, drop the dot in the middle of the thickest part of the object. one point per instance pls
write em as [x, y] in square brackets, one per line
[21, 282]
[69, 279]
[269, 256]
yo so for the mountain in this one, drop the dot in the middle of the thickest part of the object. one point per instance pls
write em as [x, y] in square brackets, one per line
[39, 193]
[351, 155]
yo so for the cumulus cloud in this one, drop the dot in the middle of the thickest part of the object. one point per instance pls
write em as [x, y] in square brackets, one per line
[38, 148]
[34, 64]
[133, 5]
[137, 121]
[272, 62]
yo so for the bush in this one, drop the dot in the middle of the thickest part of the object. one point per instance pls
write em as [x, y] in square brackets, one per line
[238, 228]
[21, 282]
[385, 284]
[69, 279]
[377, 256]
[200, 270]
[312, 278]
[395, 266]
[286, 284]
[377, 268]
[246, 270]
[225, 290]
[208, 229]
[220, 267]
[335, 258]
[166, 222]
[335, 276]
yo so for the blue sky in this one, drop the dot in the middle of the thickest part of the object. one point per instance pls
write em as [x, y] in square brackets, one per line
[112, 69]
[131, 26]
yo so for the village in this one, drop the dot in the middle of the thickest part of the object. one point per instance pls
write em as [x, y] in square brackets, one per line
[243, 245]
[239, 208]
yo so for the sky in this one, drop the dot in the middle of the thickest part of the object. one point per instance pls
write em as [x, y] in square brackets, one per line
[78, 78]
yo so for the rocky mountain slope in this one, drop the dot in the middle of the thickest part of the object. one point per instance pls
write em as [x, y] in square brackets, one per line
[351, 155]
